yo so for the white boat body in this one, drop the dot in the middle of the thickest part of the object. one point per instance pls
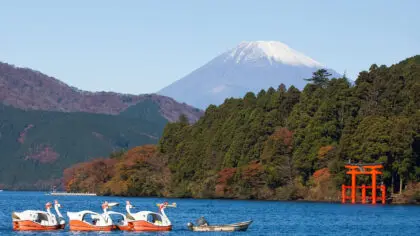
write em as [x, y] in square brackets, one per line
[101, 219]
[241, 226]
[42, 217]
[36, 219]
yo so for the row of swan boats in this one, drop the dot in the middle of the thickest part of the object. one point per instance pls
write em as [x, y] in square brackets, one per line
[34, 220]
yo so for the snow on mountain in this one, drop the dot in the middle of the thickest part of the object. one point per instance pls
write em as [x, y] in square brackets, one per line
[250, 66]
[271, 50]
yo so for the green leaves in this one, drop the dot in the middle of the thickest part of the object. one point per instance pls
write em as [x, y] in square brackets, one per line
[231, 135]
[320, 78]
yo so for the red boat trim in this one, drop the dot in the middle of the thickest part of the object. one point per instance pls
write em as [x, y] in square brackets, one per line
[77, 225]
[27, 225]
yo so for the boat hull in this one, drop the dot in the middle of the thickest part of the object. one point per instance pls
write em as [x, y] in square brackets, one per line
[27, 225]
[242, 226]
[125, 227]
[77, 225]
[141, 225]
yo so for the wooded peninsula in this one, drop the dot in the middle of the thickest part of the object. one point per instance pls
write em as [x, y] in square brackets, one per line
[279, 144]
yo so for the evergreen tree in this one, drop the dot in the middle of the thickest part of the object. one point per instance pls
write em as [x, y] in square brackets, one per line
[320, 77]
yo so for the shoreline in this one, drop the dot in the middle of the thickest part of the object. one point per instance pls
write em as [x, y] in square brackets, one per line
[219, 199]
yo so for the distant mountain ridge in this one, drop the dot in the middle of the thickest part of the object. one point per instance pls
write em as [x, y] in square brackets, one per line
[32, 90]
[250, 66]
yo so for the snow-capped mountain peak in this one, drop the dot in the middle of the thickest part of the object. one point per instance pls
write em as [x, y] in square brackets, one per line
[248, 67]
[272, 51]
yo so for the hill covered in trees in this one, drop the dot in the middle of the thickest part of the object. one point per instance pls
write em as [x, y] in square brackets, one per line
[36, 146]
[280, 143]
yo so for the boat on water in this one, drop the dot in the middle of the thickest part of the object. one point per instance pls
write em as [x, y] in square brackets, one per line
[70, 194]
[147, 220]
[142, 221]
[54, 192]
[92, 221]
[34, 220]
[203, 226]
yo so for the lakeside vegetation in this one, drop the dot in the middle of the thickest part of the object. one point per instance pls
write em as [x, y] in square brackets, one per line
[278, 144]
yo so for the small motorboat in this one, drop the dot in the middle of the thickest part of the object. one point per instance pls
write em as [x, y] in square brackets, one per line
[203, 226]
[147, 220]
[33, 220]
[79, 221]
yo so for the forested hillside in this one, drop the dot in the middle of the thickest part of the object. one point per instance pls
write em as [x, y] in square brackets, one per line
[285, 144]
[35, 146]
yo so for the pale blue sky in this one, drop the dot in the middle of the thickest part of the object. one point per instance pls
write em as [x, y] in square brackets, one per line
[142, 46]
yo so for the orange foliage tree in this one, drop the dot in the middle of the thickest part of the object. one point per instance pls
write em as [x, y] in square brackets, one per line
[137, 172]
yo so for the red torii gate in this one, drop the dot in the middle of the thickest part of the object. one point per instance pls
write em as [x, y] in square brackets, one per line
[363, 169]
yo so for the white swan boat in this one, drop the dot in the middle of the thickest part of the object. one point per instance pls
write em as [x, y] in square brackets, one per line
[147, 220]
[33, 220]
[92, 221]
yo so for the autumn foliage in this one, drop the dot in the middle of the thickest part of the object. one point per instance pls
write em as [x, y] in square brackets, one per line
[284, 135]
[323, 151]
[223, 181]
[322, 187]
[137, 172]
[321, 174]
[88, 176]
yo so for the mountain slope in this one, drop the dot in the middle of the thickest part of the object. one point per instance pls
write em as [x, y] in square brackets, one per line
[28, 89]
[46, 125]
[35, 146]
[251, 66]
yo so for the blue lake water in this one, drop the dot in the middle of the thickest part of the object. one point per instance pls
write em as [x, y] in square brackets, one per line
[270, 217]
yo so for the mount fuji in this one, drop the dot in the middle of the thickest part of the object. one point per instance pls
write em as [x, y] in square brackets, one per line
[250, 66]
